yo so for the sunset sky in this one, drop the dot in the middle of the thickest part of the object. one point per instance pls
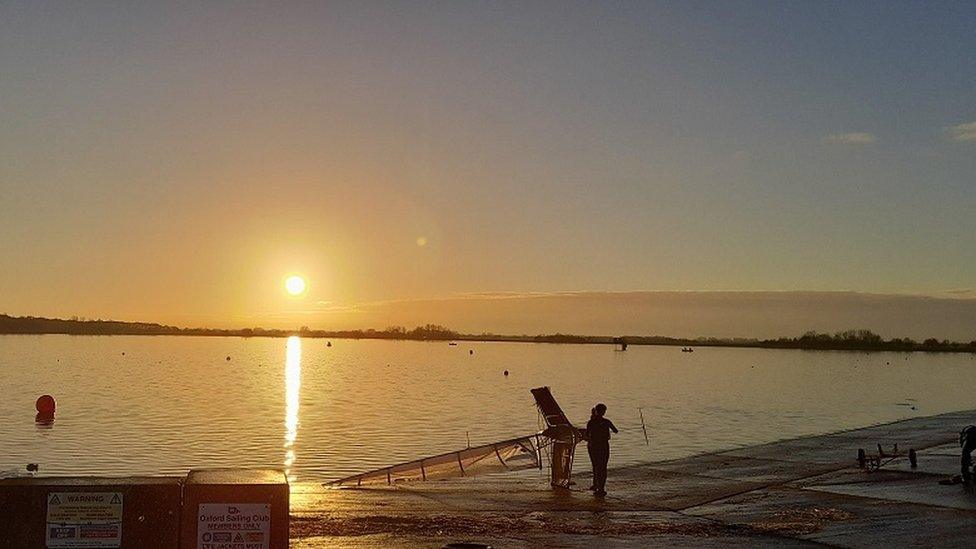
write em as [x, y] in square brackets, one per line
[176, 162]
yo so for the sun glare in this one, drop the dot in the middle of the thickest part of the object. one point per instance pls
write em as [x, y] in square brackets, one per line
[295, 285]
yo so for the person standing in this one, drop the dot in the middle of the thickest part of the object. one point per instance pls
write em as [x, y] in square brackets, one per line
[967, 440]
[598, 445]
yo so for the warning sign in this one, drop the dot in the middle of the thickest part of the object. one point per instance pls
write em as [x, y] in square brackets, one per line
[234, 526]
[84, 519]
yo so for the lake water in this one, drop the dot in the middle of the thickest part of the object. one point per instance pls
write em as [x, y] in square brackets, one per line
[169, 404]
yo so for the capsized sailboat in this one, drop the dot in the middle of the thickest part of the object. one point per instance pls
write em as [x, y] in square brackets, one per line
[508, 455]
[558, 441]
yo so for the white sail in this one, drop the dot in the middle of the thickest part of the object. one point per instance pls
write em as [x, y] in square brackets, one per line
[508, 455]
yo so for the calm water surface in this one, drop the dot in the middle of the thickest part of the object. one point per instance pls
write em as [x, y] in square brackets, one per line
[172, 403]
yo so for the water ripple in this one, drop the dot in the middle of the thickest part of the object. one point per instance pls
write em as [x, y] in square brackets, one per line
[173, 403]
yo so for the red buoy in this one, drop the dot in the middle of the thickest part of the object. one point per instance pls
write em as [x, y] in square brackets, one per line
[45, 405]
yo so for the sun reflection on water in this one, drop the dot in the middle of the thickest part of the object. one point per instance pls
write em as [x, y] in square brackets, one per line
[293, 385]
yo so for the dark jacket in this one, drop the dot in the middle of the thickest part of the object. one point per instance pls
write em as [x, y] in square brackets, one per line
[598, 430]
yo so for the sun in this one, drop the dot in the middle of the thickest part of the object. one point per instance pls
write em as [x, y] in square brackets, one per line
[295, 285]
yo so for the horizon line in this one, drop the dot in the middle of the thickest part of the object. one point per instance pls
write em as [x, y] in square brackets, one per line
[444, 330]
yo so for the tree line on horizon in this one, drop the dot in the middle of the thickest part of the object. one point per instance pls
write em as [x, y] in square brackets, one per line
[853, 340]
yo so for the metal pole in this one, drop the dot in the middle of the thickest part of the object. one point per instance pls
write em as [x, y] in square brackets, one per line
[641, 412]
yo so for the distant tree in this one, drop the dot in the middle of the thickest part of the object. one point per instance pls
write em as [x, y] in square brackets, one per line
[432, 331]
[906, 343]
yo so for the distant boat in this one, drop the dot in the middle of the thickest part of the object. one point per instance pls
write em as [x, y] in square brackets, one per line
[453, 344]
[620, 344]
[687, 350]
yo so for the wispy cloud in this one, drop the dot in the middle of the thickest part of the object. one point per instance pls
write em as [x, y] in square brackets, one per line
[962, 132]
[962, 291]
[850, 138]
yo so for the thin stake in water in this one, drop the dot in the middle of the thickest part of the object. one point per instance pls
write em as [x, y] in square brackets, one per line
[643, 427]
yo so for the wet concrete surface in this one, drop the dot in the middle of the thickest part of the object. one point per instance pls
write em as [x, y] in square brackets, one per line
[793, 493]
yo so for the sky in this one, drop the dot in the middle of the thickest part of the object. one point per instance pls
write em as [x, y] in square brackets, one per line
[174, 162]
[679, 314]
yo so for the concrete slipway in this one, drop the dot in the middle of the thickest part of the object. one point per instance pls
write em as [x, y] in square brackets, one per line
[794, 493]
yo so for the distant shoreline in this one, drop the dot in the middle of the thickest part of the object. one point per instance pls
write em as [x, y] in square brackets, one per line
[850, 340]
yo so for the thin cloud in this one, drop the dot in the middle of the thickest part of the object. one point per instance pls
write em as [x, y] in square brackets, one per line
[850, 138]
[962, 291]
[962, 132]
